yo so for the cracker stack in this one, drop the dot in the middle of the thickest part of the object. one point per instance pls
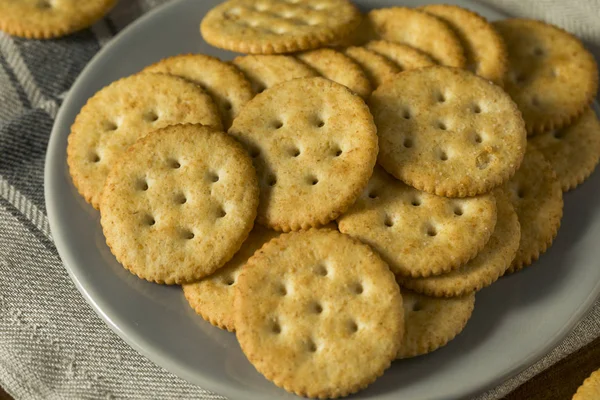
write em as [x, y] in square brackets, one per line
[407, 127]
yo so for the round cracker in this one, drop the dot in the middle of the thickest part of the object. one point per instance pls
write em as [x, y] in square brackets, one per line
[307, 303]
[339, 68]
[45, 19]
[590, 388]
[377, 68]
[484, 48]
[419, 234]
[116, 116]
[302, 142]
[538, 200]
[227, 86]
[264, 71]
[421, 31]
[179, 203]
[573, 151]
[489, 265]
[402, 55]
[212, 297]
[447, 131]
[551, 76]
[274, 26]
[430, 322]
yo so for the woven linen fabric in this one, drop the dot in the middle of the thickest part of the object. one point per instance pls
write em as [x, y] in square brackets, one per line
[52, 345]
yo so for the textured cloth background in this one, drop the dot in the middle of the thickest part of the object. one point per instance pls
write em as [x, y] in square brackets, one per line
[52, 345]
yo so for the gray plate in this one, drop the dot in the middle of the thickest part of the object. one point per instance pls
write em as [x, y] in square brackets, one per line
[516, 320]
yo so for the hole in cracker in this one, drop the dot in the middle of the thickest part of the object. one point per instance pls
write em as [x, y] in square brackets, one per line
[431, 231]
[294, 152]
[142, 185]
[519, 78]
[271, 180]
[443, 156]
[281, 290]
[538, 51]
[417, 306]
[388, 221]
[352, 326]
[477, 109]
[442, 126]
[478, 138]
[535, 101]
[406, 114]
[316, 308]
[221, 212]
[321, 270]
[373, 195]
[94, 157]
[458, 211]
[44, 4]
[558, 134]
[149, 220]
[313, 180]
[109, 126]
[357, 288]
[187, 234]
[213, 177]
[260, 88]
[337, 152]
[227, 105]
[277, 124]
[275, 327]
[320, 124]
[408, 143]
[229, 281]
[174, 164]
[180, 199]
[150, 116]
[311, 346]
[521, 193]
[416, 202]
[441, 98]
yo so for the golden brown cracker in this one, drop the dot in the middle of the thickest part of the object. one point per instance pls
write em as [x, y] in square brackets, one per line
[419, 234]
[484, 48]
[377, 68]
[538, 199]
[573, 151]
[277, 26]
[339, 68]
[179, 203]
[430, 322]
[590, 388]
[308, 302]
[421, 31]
[45, 19]
[551, 76]
[227, 86]
[264, 71]
[489, 264]
[122, 112]
[212, 297]
[302, 141]
[447, 131]
[402, 55]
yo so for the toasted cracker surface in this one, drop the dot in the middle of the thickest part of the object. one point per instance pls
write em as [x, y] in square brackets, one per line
[179, 203]
[304, 135]
[402, 55]
[318, 313]
[377, 68]
[122, 112]
[277, 26]
[447, 131]
[551, 76]
[417, 233]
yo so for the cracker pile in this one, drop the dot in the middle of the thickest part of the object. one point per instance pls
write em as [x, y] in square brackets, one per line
[377, 172]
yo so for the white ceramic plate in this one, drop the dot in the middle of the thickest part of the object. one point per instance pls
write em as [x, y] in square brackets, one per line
[516, 321]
